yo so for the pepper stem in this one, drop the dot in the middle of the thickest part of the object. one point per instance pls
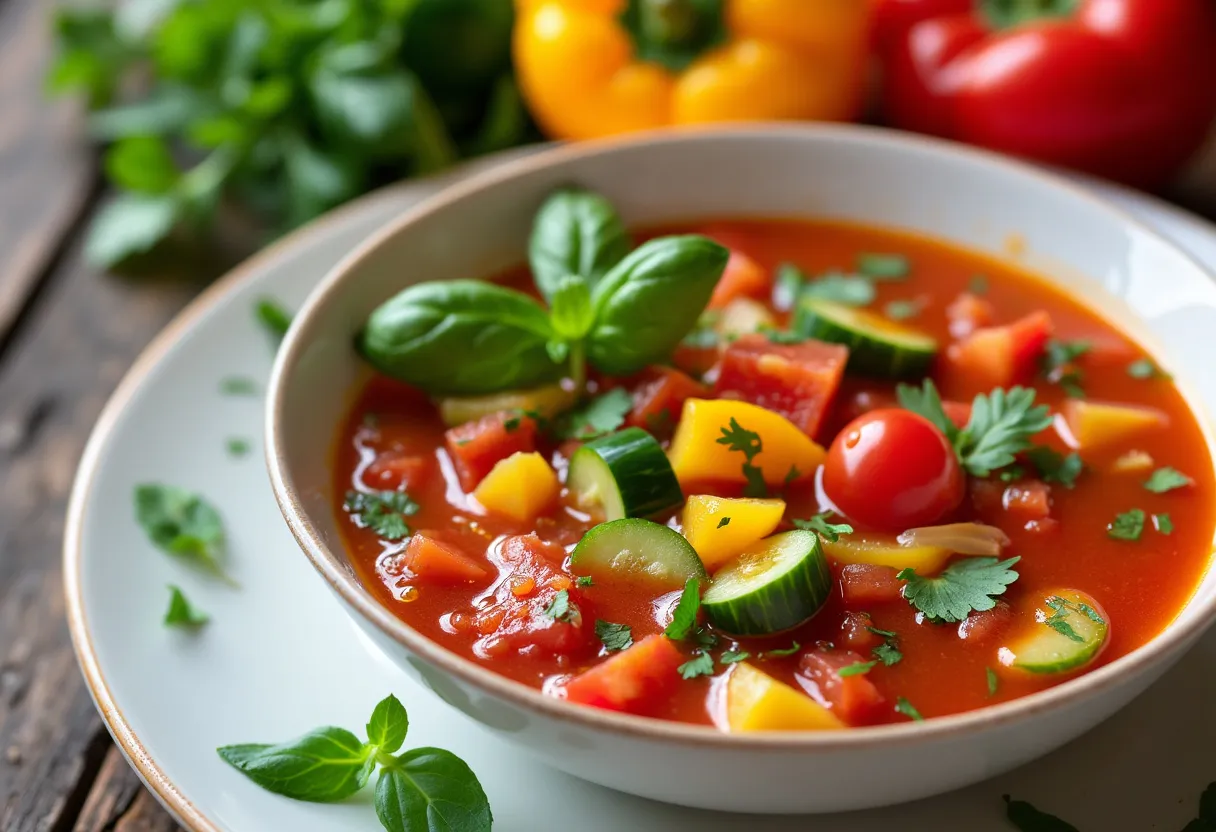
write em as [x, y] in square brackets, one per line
[1005, 14]
[674, 32]
[670, 22]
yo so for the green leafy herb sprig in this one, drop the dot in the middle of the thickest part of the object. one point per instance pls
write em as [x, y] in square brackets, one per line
[183, 524]
[287, 108]
[420, 789]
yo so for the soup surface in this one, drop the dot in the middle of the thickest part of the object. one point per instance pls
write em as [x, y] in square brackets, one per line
[1106, 500]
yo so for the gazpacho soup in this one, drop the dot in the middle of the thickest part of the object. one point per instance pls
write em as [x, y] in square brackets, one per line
[769, 474]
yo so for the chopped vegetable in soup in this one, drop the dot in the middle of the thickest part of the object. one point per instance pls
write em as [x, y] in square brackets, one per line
[769, 474]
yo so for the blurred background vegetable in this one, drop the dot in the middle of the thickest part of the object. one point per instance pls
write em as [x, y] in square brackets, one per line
[286, 107]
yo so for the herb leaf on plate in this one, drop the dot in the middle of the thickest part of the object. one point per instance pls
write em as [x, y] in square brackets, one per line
[964, 586]
[576, 232]
[183, 524]
[273, 317]
[181, 613]
[431, 789]
[323, 766]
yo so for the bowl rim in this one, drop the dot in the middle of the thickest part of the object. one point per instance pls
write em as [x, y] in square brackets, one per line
[1161, 649]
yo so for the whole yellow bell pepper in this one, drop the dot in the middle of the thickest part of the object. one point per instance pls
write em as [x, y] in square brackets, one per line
[591, 68]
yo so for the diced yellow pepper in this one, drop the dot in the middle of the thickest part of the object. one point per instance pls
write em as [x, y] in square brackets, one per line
[697, 456]
[743, 316]
[520, 487]
[547, 401]
[1099, 424]
[926, 560]
[720, 528]
[756, 701]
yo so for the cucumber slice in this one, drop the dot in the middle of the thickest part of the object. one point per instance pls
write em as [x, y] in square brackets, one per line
[639, 549]
[877, 346]
[1070, 630]
[626, 473]
[777, 584]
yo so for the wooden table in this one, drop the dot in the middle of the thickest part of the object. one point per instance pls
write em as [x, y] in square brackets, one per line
[67, 334]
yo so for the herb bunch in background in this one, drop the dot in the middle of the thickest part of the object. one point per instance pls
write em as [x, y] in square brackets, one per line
[285, 107]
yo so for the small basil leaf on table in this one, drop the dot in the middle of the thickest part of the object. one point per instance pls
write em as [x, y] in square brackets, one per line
[323, 766]
[183, 524]
[461, 337]
[431, 789]
[650, 300]
[576, 232]
[389, 723]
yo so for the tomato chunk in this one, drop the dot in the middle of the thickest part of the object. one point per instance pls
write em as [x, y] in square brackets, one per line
[1001, 356]
[397, 471]
[863, 584]
[435, 562]
[798, 381]
[476, 447]
[659, 396]
[979, 627]
[969, 312]
[853, 698]
[742, 278]
[856, 634]
[634, 680]
[696, 358]
[1027, 500]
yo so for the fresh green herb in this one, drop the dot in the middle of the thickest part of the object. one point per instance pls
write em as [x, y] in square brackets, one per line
[701, 664]
[927, 402]
[965, 585]
[704, 638]
[236, 446]
[511, 424]
[978, 285]
[1145, 369]
[613, 636]
[747, 442]
[598, 417]
[182, 613]
[1058, 354]
[883, 633]
[1060, 610]
[849, 290]
[887, 653]
[238, 386]
[684, 617]
[787, 286]
[1012, 474]
[560, 608]
[732, 656]
[1056, 467]
[183, 524]
[273, 317]
[819, 524]
[384, 512]
[1127, 525]
[791, 476]
[781, 652]
[1163, 524]
[584, 581]
[781, 336]
[331, 764]
[884, 266]
[571, 314]
[1167, 479]
[903, 706]
[856, 669]
[576, 233]
[1029, 819]
[994, 681]
[902, 310]
[725, 521]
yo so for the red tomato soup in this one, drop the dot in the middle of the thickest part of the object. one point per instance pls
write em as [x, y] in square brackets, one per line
[852, 548]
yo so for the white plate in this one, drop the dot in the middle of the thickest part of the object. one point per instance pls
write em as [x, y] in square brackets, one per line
[280, 657]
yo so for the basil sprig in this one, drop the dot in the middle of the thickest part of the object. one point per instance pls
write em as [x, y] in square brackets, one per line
[331, 764]
[617, 309]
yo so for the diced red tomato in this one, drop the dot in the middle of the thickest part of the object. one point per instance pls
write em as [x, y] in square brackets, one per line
[797, 381]
[476, 447]
[855, 632]
[864, 584]
[1001, 356]
[1043, 525]
[986, 495]
[979, 627]
[659, 396]
[742, 278]
[853, 698]
[696, 360]
[434, 562]
[632, 680]
[969, 312]
[397, 471]
[1027, 500]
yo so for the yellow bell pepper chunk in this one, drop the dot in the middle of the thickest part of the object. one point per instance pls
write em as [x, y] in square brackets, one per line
[719, 528]
[756, 701]
[926, 560]
[1099, 424]
[697, 456]
[520, 487]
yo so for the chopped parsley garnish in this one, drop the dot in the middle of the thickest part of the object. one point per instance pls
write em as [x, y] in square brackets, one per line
[701, 664]
[1145, 369]
[383, 512]
[849, 290]
[1056, 467]
[902, 310]
[978, 285]
[1059, 365]
[238, 386]
[725, 521]
[613, 636]
[1029, 819]
[684, 617]
[181, 613]
[903, 706]
[888, 652]
[1128, 525]
[781, 652]
[273, 317]
[732, 656]
[856, 669]
[560, 608]
[819, 524]
[599, 416]
[584, 580]
[747, 442]
[182, 524]
[1163, 524]
[1012, 474]
[883, 633]
[1167, 479]
[1061, 608]
[705, 638]
[884, 266]
[512, 424]
[994, 681]
[963, 586]
[236, 446]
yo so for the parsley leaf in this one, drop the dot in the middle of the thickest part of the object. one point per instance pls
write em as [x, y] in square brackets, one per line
[599, 416]
[701, 664]
[273, 317]
[1163, 524]
[1167, 479]
[613, 636]
[845, 289]
[747, 442]
[856, 669]
[903, 706]
[1061, 608]
[725, 521]
[887, 653]
[584, 580]
[926, 402]
[383, 512]
[1029, 819]
[181, 613]
[819, 524]
[964, 585]
[560, 608]
[884, 266]
[902, 310]
[1058, 354]
[1145, 369]
[732, 656]
[1128, 525]
[684, 617]
[183, 524]
[1000, 427]
[994, 681]
[238, 386]
[236, 446]
[1056, 467]
[781, 652]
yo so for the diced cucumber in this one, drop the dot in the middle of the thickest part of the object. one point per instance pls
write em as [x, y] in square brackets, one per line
[777, 584]
[877, 346]
[1070, 630]
[639, 549]
[626, 473]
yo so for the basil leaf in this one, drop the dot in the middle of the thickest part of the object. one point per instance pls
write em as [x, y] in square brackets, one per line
[388, 725]
[461, 337]
[571, 312]
[431, 789]
[183, 524]
[650, 300]
[323, 766]
[130, 224]
[576, 232]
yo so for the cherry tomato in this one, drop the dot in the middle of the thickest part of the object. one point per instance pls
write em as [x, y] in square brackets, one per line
[893, 470]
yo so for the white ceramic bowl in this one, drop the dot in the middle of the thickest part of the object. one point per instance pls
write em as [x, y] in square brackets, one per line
[476, 229]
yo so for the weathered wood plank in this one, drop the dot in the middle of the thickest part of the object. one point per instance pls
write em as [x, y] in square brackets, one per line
[120, 803]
